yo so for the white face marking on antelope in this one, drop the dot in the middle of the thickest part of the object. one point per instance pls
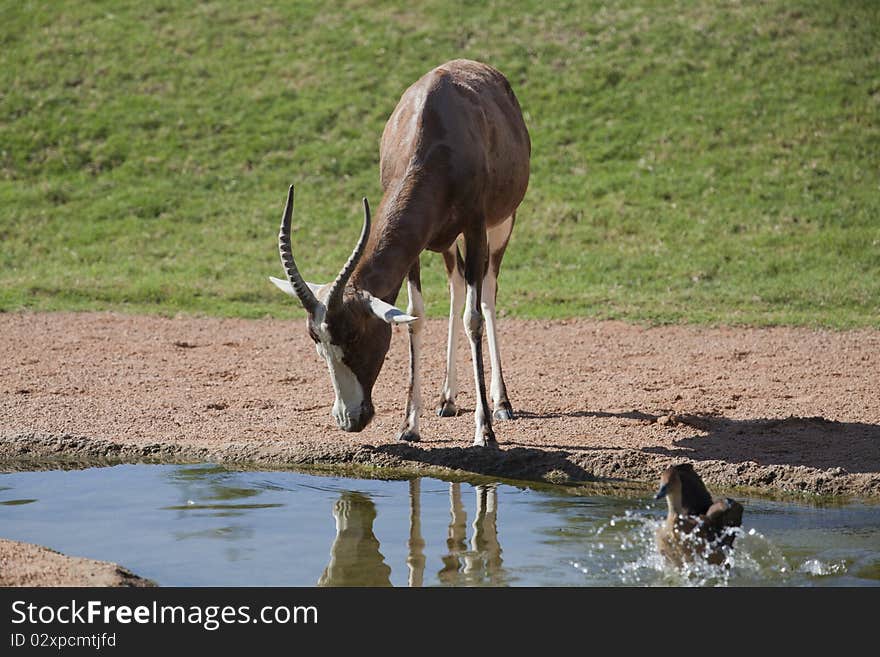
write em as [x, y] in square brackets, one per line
[348, 409]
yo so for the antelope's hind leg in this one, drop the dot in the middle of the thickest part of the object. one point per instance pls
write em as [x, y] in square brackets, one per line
[497, 239]
[416, 307]
[455, 273]
[475, 261]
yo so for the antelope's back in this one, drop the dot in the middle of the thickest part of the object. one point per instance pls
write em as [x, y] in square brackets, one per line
[465, 115]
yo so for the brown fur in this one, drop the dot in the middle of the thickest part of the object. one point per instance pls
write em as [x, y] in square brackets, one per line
[455, 152]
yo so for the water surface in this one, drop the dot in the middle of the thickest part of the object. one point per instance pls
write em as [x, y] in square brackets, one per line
[207, 525]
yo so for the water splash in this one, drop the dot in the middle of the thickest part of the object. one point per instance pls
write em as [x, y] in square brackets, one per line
[623, 550]
[818, 568]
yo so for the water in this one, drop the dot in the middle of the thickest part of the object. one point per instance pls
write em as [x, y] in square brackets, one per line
[206, 525]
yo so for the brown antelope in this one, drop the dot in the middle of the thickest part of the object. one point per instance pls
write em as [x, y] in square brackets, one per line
[454, 162]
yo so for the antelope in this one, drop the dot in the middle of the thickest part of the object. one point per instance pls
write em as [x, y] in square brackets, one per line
[454, 164]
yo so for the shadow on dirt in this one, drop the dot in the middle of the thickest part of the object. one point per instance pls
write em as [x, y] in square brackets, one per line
[798, 441]
[516, 462]
[812, 442]
[808, 441]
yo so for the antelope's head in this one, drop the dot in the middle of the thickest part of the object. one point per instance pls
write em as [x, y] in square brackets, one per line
[351, 329]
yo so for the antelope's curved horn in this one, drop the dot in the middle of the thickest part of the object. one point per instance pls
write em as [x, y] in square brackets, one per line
[303, 292]
[334, 298]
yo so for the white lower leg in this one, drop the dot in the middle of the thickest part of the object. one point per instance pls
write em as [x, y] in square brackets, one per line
[496, 388]
[416, 307]
[456, 307]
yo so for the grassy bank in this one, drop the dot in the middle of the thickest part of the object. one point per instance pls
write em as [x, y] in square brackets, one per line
[690, 162]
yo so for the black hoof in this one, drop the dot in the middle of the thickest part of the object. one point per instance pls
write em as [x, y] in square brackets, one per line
[504, 412]
[447, 409]
[409, 436]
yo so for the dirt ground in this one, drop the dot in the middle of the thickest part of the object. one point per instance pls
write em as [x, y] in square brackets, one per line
[24, 564]
[778, 409]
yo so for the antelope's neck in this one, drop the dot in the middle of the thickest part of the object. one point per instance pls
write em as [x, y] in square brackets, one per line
[404, 225]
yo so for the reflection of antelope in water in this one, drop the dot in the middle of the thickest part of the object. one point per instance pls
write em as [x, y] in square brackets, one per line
[355, 559]
[482, 564]
[415, 559]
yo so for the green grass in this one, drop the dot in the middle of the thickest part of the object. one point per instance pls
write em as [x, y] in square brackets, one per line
[692, 161]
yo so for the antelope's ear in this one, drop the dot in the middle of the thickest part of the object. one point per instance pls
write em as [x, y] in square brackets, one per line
[387, 312]
[287, 288]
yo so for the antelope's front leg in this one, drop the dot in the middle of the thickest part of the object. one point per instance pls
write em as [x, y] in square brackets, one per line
[416, 307]
[474, 269]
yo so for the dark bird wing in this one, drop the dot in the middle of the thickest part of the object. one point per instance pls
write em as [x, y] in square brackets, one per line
[721, 515]
[725, 513]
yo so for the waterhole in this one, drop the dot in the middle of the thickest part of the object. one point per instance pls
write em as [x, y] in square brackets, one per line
[185, 525]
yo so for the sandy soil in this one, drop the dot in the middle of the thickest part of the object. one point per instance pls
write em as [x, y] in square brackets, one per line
[25, 564]
[778, 409]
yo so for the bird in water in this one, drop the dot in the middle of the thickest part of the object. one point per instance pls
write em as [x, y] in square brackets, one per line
[696, 525]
